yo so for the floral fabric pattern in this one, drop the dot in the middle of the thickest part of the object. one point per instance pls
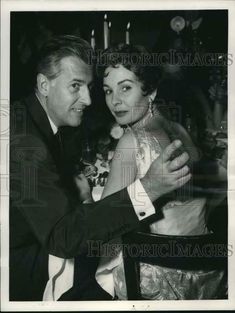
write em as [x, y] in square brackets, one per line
[162, 283]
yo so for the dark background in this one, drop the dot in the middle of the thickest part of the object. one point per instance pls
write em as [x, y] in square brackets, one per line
[185, 92]
[148, 28]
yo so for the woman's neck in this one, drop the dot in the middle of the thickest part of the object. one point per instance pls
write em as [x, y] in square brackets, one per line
[145, 119]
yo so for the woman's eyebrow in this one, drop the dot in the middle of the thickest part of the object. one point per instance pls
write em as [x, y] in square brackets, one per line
[124, 80]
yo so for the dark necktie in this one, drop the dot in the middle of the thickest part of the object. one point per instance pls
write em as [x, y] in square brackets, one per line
[58, 144]
[58, 136]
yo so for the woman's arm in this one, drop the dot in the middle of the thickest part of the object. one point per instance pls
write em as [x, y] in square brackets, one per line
[123, 167]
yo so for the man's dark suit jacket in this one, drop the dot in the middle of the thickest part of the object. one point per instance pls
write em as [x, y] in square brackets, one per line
[43, 220]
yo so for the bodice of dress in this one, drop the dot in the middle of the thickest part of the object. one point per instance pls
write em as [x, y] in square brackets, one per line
[148, 149]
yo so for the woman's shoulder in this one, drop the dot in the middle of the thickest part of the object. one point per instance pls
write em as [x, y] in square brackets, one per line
[128, 140]
[126, 148]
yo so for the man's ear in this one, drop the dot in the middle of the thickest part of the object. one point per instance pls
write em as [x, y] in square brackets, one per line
[43, 84]
[153, 95]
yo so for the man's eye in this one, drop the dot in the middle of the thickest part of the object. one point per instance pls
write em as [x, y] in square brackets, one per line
[107, 92]
[74, 87]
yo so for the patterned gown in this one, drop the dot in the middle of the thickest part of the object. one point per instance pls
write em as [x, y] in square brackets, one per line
[188, 218]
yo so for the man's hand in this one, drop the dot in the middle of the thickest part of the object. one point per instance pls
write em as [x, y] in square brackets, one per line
[166, 175]
[84, 188]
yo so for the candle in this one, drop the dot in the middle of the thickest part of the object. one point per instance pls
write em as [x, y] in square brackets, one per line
[93, 39]
[128, 33]
[105, 32]
[109, 33]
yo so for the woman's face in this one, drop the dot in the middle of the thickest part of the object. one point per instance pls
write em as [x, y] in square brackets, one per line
[124, 95]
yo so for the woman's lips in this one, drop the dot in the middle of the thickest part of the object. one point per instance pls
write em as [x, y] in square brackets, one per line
[120, 113]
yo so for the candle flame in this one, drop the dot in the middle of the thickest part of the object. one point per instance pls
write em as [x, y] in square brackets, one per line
[92, 32]
[105, 16]
[128, 25]
[110, 24]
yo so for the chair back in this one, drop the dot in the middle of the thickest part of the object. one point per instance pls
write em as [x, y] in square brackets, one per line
[179, 252]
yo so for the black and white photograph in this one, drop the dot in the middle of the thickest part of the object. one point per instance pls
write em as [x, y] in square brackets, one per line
[117, 149]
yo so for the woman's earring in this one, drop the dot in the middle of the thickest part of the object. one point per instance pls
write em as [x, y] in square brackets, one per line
[151, 106]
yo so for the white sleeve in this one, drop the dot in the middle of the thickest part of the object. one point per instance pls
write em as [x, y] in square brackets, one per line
[142, 204]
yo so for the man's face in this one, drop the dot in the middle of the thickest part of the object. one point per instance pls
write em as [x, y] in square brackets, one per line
[69, 94]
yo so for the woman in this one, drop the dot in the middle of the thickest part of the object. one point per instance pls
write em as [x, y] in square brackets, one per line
[130, 91]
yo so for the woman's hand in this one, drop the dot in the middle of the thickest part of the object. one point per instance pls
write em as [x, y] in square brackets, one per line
[84, 188]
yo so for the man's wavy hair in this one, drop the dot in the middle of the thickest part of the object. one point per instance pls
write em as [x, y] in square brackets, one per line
[134, 58]
[59, 47]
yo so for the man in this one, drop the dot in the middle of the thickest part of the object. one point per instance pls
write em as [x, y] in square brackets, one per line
[43, 218]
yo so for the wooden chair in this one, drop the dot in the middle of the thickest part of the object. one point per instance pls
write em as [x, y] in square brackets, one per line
[141, 247]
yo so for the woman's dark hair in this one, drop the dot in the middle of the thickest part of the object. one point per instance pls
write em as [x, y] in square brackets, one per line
[134, 58]
[59, 47]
